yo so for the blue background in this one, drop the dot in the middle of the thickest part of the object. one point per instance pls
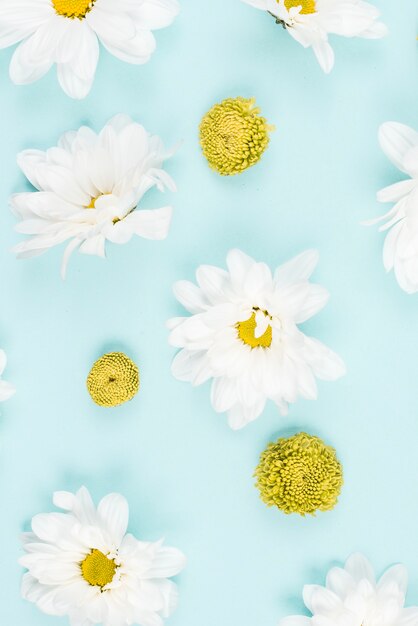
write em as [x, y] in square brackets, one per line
[186, 475]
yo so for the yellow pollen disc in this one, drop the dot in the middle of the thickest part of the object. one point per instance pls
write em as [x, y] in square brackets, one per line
[246, 332]
[97, 569]
[308, 6]
[113, 380]
[233, 135]
[73, 8]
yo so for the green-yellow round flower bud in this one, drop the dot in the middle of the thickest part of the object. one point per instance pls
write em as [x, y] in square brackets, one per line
[233, 135]
[299, 474]
[113, 380]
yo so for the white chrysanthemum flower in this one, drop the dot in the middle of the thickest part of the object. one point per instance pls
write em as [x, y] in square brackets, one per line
[7, 390]
[68, 32]
[352, 597]
[83, 564]
[311, 21]
[89, 190]
[244, 334]
[400, 252]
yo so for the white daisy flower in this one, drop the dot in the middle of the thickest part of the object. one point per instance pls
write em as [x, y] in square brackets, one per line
[243, 333]
[311, 21]
[400, 252]
[353, 597]
[7, 390]
[68, 32]
[89, 190]
[83, 564]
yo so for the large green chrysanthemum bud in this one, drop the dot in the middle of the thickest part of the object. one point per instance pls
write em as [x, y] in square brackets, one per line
[233, 135]
[300, 474]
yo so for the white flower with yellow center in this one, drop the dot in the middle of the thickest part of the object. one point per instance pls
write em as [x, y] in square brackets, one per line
[90, 189]
[311, 21]
[83, 564]
[353, 597]
[243, 333]
[7, 390]
[400, 252]
[68, 32]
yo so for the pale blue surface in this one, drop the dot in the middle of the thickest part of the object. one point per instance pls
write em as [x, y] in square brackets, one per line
[186, 475]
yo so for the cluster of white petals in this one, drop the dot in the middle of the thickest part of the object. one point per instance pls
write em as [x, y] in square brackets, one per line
[353, 597]
[50, 34]
[89, 189]
[311, 26]
[400, 252]
[243, 333]
[60, 579]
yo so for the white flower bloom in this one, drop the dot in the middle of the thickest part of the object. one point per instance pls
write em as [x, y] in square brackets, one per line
[83, 564]
[67, 32]
[311, 21]
[352, 597]
[89, 190]
[244, 334]
[7, 390]
[400, 252]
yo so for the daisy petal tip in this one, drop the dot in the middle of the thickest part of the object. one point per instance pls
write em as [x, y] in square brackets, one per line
[63, 500]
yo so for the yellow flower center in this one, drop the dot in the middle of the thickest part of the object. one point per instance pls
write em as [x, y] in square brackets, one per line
[233, 135]
[97, 569]
[308, 6]
[113, 380]
[246, 332]
[73, 8]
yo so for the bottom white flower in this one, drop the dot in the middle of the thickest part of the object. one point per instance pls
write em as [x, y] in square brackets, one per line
[7, 390]
[353, 597]
[83, 564]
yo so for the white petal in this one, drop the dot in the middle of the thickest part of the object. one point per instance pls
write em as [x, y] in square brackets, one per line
[359, 567]
[152, 15]
[167, 562]
[394, 579]
[240, 415]
[190, 296]
[325, 363]
[94, 246]
[223, 394]
[214, 283]
[3, 361]
[396, 140]
[7, 390]
[191, 366]
[113, 510]
[320, 600]
[325, 55]
[409, 617]
[298, 269]
[340, 582]
[153, 224]
[396, 192]
[137, 50]
[239, 264]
